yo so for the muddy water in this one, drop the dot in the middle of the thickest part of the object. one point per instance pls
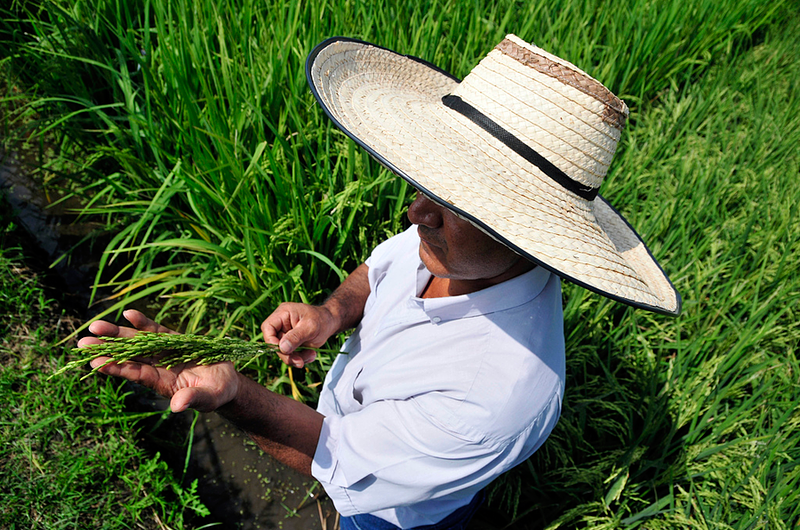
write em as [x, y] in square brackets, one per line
[242, 487]
[52, 229]
[264, 493]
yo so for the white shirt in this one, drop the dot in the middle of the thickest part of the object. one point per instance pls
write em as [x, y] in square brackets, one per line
[434, 398]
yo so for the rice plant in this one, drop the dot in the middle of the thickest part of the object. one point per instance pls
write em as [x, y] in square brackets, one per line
[170, 350]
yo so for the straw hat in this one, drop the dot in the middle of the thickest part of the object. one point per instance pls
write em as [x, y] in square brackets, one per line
[519, 148]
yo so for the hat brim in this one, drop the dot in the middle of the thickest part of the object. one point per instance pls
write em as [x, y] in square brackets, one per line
[390, 105]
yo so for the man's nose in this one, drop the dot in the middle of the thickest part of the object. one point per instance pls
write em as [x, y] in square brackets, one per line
[424, 211]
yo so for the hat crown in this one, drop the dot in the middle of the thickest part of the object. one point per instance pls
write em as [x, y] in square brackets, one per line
[550, 105]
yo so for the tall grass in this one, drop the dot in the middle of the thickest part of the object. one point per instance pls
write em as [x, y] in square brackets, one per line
[188, 128]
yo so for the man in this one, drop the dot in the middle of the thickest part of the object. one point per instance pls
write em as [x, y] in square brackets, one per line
[455, 372]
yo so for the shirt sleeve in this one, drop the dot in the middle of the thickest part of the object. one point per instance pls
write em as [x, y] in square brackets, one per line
[392, 453]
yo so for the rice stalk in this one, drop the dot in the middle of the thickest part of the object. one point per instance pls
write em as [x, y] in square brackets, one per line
[170, 349]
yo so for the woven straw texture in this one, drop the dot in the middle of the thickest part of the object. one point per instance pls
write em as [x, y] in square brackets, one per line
[393, 105]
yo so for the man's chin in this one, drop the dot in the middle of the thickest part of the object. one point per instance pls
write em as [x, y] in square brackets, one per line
[432, 262]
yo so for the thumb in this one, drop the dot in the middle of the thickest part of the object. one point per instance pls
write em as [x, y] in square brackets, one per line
[198, 398]
[309, 331]
[291, 340]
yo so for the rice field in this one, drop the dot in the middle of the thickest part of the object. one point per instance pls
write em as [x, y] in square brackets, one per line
[187, 131]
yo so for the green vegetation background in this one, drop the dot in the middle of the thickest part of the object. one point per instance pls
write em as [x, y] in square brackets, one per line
[187, 130]
[69, 451]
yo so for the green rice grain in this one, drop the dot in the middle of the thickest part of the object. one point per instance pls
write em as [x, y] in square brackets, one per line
[169, 350]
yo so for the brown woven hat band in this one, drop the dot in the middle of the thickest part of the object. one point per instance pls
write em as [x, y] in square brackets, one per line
[518, 146]
[615, 112]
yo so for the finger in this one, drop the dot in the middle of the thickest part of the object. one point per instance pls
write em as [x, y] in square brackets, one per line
[298, 359]
[89, 341]
[142, 323]
[102, 328]
[305, 333]
[308, 356]
[100, 361]
[291, 359]
[140, 373]
[274, 326]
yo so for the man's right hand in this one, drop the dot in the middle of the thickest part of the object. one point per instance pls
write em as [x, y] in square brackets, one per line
[204, 388]
[293, 325]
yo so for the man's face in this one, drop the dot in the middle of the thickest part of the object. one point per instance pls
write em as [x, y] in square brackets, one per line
[453, 248]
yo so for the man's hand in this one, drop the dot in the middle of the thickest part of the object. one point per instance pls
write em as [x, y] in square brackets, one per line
[282, 427]
[204, 388]
[293, 325]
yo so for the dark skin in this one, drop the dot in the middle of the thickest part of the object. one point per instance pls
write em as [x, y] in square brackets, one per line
[462, 260]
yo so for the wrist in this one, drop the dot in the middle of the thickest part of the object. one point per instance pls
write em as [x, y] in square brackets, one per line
[238, 401]
[332, 317]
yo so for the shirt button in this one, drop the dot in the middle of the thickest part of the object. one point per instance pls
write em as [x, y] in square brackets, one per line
[436, 320]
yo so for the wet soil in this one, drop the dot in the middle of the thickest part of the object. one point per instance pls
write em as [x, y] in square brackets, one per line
[243, 487]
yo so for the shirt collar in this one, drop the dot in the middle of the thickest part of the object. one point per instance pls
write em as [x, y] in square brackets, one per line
[506, 295]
